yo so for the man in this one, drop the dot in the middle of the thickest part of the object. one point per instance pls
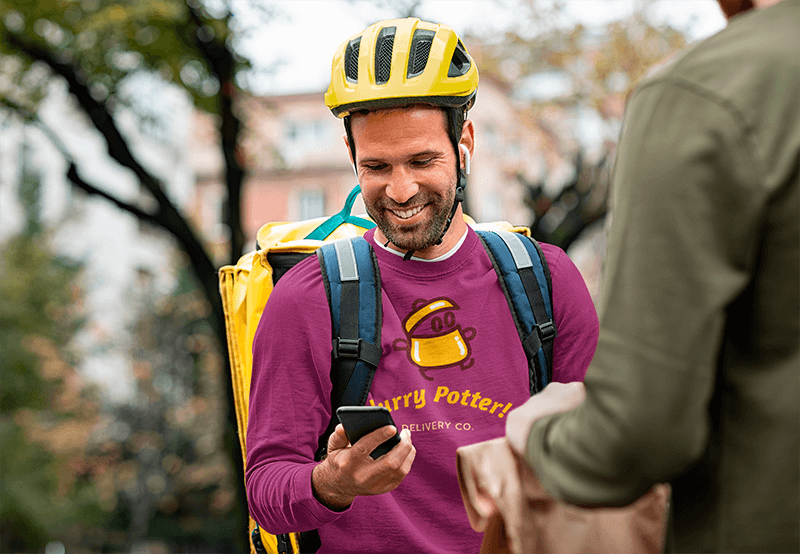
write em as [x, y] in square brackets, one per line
[404, 112]
[696, 379]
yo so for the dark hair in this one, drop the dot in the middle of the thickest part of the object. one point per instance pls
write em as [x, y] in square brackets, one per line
[734, 7]
[455, 124]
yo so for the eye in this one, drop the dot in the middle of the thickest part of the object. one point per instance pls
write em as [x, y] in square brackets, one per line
[436, 324]
[374, 167]
[450, 319]
[422, 163]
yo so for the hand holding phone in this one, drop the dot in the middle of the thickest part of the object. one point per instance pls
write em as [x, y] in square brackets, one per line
[359, 421]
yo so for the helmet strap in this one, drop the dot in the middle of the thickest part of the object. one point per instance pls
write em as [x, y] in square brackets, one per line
[459, 197]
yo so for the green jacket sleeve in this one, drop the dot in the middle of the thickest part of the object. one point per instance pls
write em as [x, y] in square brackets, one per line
[685, 213]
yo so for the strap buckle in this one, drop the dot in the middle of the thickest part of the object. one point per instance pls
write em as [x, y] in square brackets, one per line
[346, 348]
[357, 349]
[546, 330]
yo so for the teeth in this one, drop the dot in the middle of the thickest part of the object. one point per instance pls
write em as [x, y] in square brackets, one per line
[407, 213]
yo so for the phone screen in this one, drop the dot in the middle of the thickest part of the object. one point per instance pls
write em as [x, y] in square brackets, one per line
[362, 420]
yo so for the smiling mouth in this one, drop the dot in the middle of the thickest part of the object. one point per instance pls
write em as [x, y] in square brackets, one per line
[407, 214]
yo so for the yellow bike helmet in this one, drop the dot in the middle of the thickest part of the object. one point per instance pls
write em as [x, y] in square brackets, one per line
[399, 62]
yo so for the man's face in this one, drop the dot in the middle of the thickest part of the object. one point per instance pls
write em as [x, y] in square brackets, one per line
[406, 168]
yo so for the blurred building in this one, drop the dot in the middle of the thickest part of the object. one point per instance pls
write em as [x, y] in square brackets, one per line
[298, 167]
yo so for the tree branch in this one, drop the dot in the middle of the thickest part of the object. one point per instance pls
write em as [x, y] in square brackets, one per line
[72, 172]
[78, 181]
[167, 215]
[98, 112]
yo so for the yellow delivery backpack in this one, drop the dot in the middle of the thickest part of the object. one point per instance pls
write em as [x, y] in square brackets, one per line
[246, 287]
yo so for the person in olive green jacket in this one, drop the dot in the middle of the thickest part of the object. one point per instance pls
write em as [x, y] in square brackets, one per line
[696, 378]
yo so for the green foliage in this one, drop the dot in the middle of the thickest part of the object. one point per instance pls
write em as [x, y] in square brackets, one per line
[44, 409]
[150, 470]
[601, 64]
[108, 40]
[40, 297]
[27, 489]
[172, 479]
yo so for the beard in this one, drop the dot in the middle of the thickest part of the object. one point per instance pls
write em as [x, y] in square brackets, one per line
[418, 236]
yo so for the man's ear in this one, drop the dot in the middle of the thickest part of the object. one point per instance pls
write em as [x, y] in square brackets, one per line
[467, 140]
[350, 154]
[347, 145]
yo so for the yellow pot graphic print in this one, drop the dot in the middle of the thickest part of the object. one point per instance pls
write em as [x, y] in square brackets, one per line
[444, 344]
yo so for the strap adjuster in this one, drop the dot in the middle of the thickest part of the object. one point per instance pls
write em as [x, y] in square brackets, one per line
[357, 349]
[546, 331]
[346, 348]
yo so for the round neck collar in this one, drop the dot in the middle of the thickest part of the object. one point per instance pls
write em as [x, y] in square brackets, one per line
[441, 258]
[420, 268]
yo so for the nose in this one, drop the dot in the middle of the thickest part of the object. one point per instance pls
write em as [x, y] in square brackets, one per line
[402, 186]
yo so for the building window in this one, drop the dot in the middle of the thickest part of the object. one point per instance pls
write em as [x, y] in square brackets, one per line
[304, 131]
[302, 139]
[312, 204]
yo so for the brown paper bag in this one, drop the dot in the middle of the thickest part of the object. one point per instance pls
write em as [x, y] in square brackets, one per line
[505, 500]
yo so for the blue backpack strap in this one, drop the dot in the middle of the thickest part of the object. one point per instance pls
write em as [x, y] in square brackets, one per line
[353, 286]
[525, 279]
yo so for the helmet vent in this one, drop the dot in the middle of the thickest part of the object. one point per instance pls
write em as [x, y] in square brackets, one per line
[420, 50]
[351, 60]
[460, 63]
[383, 55]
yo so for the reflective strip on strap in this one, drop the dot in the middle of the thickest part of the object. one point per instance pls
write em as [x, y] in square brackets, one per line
[518, 251]
[348, 271]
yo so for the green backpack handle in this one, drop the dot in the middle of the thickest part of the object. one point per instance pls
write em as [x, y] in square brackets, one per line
[328, 226]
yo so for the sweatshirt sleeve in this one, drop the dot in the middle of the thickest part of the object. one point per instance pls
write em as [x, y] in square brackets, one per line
[289, 403]
[576, 320]
[685, 222]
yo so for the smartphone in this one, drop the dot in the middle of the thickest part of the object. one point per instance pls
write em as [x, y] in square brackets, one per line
[362, 420]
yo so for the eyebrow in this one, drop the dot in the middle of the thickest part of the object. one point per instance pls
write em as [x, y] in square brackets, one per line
[423, 154]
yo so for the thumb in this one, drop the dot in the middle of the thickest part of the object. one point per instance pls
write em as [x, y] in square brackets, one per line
[371, 441]
[338, 439]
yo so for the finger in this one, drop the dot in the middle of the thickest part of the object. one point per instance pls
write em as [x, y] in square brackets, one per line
[397, 464]
[576, 394]
[563, 397]
[517, 434]
[409, 461]
[397, 455]
[338, 439]
[555, 398]
[371, 441]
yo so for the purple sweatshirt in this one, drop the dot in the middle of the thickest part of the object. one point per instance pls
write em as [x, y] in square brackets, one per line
[452, 368]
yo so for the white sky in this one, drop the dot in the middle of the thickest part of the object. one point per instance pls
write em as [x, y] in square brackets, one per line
[308, 32]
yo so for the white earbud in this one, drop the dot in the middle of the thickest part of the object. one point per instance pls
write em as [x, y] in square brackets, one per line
[466, 157]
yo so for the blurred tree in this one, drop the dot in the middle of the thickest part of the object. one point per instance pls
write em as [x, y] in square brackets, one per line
[47, 412]
[561, 218]
[565, 72]
[166, 477]
[94, 46]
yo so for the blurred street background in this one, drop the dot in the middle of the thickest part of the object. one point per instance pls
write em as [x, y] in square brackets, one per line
[142, 145]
